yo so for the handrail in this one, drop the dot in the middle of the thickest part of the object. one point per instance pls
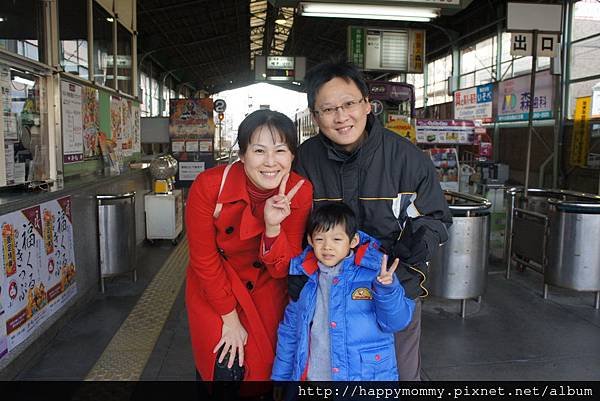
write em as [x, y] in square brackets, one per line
[587, 206]
[481, 203]
[554, 193]
[115, 196]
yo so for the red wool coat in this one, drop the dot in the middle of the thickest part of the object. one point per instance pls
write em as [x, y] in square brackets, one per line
[212, 286]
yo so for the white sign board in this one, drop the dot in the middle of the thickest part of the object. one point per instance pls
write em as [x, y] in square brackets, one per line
[72, 124]
[474, 103]
[189, 170]
[513, 98]
[533, 16]
[521, 44]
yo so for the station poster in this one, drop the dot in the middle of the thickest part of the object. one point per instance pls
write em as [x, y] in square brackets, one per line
[38, 267]
[191, 119]
[474, 103]
[513, 98]
[72, 122]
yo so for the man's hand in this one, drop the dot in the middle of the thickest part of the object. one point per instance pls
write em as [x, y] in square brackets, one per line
[295, 285]
[411, 248]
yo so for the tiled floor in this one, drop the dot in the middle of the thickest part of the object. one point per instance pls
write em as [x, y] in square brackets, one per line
[513, 334]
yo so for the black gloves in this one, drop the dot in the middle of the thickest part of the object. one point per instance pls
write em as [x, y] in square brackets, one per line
[223, 373]
[411, 248]
[296, 284]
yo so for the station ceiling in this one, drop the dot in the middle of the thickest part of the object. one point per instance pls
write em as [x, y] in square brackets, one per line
[210, 44]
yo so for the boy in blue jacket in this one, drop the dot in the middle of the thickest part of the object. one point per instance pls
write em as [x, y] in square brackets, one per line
[341, 327]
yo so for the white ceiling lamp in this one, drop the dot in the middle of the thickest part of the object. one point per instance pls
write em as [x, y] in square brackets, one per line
[366, 11]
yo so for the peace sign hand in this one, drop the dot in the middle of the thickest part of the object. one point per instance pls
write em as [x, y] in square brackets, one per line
[277, 207]
[386, 277]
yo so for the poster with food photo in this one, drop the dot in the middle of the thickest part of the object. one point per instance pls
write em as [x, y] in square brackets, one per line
[91, 122]
[24, 296]
[58, 262]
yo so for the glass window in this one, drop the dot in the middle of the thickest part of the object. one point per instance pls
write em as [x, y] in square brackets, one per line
[418, 82]
[438, 72]
[580, 89]
[145, 86]
[103, 47]
[586, 19]
[584, 58]
[24, 120]
[21, 28]
[154, 109]
[478, 63]
[124, 73]
[72, 27]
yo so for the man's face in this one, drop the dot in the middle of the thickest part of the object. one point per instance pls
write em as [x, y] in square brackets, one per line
[341, 112]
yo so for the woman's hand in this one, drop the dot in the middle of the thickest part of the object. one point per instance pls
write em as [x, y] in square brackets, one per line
[233, 338]
[277, 207]
[386, 277]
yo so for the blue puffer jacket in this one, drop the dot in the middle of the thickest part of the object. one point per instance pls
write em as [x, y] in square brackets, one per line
[366, 314]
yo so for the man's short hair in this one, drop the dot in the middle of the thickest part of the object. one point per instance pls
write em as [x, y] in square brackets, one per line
[331, 214]
[322, 73]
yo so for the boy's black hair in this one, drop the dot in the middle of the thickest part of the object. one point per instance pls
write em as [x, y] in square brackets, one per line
[320, 74]
[278, 124]
[331, 214]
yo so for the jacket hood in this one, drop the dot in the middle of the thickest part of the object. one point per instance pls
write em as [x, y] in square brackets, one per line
[366, 254]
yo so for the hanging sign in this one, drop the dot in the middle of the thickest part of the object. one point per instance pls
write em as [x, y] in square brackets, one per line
[580, 141]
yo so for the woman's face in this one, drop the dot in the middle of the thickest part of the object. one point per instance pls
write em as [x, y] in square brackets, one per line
[267, 158]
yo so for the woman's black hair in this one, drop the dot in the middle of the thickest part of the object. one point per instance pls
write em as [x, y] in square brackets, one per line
[278, 124]
[322, 73]
[331, 214]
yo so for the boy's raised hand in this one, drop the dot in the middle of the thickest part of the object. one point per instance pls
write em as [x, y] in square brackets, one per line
[386, 276]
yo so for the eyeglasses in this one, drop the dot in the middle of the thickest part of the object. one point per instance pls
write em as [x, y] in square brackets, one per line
[349, 107]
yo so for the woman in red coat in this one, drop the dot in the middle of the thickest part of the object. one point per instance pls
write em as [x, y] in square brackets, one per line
[244, 224]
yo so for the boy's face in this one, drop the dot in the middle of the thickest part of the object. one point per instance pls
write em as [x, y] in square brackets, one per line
[345, 127]
[332, 246]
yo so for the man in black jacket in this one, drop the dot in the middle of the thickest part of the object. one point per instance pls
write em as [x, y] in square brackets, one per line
[388, 182]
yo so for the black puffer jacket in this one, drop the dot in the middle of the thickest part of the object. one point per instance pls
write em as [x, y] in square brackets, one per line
[385, 180]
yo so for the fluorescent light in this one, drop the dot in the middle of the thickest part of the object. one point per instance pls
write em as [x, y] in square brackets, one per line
[340, 10]
[20, 80]
[2, 19]
[368, 16]
[110, 19]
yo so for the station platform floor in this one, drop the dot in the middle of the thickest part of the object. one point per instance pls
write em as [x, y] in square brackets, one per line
[139, 331]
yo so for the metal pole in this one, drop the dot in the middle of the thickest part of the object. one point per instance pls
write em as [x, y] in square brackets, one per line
[531, 98]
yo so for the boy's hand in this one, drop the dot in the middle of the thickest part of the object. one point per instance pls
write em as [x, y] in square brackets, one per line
[386, 276]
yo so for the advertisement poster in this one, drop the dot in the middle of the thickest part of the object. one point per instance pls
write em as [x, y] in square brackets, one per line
[125, 140]
[25, 298]
[72, 124]
[57, 272]
[135, 124]
[115, 119]
[91, 122]
[38, 268]
[191, 119]
[580, 141]
[445, 131]
[513, 98]
[474, 103]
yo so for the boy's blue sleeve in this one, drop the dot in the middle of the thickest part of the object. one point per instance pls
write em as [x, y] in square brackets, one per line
[283, 366]
[393, 309]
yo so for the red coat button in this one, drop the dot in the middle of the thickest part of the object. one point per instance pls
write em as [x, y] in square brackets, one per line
[335, 280]
[335, 370]
[377, 357]
[333, 325]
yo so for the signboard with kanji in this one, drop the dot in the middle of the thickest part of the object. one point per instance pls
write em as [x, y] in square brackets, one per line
[514, 97]
[474, 103]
